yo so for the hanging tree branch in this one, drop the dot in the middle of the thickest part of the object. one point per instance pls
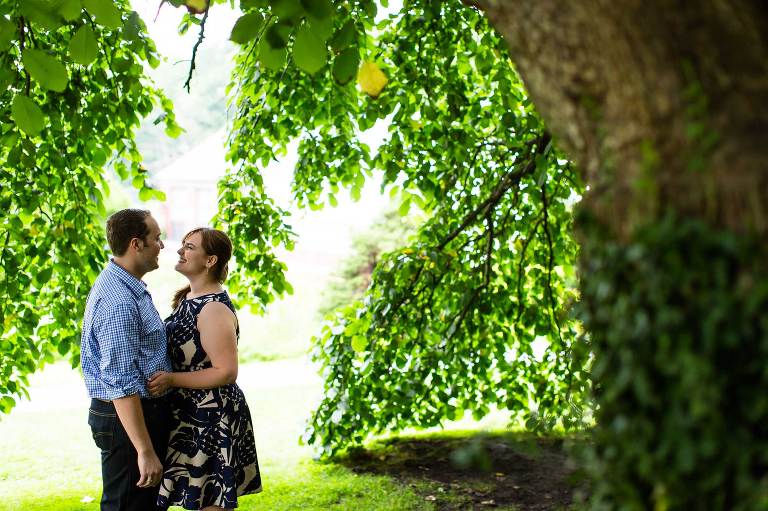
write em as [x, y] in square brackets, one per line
[456, 323]
[504, 185]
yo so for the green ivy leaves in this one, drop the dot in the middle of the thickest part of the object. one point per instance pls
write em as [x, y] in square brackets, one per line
[680, 345]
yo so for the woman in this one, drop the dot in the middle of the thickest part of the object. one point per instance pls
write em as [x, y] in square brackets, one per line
[211, 452]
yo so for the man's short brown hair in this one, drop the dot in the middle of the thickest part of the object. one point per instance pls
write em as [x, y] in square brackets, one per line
[125, 225]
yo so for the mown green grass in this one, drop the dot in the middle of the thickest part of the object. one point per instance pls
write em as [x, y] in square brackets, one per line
[49, 461]
[308, 487]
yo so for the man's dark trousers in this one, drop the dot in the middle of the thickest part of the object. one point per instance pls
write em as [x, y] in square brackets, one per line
[119, 467]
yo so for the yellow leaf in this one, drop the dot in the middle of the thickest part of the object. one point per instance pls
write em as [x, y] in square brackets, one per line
[196, 6]
[371, 79]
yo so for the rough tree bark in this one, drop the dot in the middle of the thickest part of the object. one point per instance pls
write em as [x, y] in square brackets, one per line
[664, 107]
[662, 104]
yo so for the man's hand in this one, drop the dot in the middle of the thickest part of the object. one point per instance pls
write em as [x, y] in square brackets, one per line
[132, 418]
[150, 470]
[159, 383]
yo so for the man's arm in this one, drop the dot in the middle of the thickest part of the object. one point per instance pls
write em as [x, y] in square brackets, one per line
[118, 331]
[218, 336]
[132, 418]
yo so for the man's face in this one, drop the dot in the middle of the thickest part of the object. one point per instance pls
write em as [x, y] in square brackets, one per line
[149, 251]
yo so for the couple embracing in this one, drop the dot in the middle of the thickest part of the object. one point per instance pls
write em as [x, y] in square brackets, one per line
[172, 425]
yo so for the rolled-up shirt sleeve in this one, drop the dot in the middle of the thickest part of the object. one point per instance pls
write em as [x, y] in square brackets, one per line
[117, 328]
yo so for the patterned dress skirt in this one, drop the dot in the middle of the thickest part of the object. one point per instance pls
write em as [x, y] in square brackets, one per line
[211, 453]
[211, 456]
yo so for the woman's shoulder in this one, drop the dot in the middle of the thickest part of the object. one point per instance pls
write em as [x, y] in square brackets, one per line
[221, 297]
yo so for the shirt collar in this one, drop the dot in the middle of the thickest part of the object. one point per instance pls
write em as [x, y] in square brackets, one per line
[138, 287]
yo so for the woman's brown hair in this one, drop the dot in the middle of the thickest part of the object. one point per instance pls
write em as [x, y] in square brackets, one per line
[214, 242]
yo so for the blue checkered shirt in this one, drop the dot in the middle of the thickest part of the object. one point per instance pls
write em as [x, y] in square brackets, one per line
[123, 341]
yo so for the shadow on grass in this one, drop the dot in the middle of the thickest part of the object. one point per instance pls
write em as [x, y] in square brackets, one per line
[479, 470]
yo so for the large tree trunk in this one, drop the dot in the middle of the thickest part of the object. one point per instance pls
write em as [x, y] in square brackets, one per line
[664, 107]
[662, 104]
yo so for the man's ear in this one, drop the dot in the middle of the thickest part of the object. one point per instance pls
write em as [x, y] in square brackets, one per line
[135, 244]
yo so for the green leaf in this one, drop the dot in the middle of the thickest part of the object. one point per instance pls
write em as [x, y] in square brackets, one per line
[7, 33]
[98, 157]
[133, 26]
[146, 194]
[105, 12]
[247, 27]
[345, 65]
[277, 35]
[6, 404]
[320, 9]
[344, 36]
[41, 13]
[246, 5]
[83, 46]
[322, 27]
[70, 9]
[173, 130]
[44, 276]
[309, 51]
[287, 9]
[272, 58]
[27, 115]
[6, 77]
[46, 70]
[405, 206]
[359, 343]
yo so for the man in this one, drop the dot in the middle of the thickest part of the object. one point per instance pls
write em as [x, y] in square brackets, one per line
[123, 344]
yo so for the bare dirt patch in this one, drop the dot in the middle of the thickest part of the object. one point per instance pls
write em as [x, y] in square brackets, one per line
[478, 472]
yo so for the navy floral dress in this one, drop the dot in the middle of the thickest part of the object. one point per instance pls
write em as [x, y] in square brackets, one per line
[211, 452]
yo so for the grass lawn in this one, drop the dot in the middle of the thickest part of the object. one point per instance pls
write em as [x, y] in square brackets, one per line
[50, 462]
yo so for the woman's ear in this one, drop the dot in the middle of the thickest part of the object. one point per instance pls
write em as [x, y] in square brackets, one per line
[212, 260]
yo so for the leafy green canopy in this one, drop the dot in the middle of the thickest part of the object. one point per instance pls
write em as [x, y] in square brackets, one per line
[449, 321]
[72, 91]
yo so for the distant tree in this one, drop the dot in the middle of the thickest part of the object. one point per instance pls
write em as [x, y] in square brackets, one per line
[350, 281]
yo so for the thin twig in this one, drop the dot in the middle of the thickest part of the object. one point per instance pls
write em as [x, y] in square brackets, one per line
[22, 40]
[158, 10]
[194, 49]
[551, 260]
[520, 263]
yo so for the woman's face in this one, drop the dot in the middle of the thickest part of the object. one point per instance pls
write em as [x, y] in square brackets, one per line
[192, 258]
